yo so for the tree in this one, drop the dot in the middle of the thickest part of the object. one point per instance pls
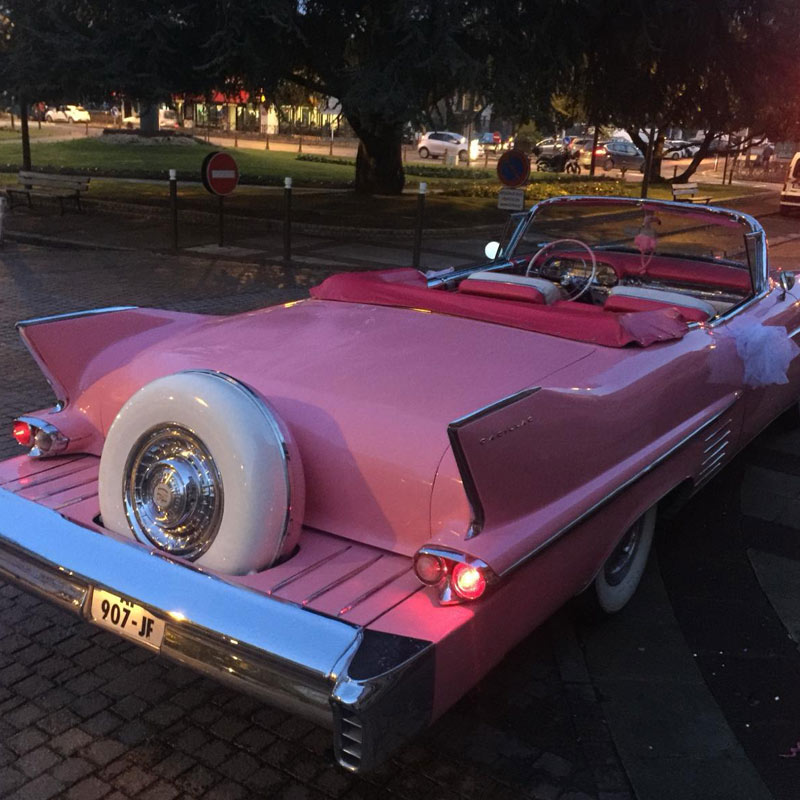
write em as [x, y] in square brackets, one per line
[59, 50]
[720, 66]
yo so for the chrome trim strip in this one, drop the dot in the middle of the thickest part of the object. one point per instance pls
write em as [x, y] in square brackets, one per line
[74, 501]
[373, 590]
[609, 497]
[722, 439]
[33, 481]
[471, 490]
[310, 568]
[794, 333]
[712, 455]
[341, 579]
[720, 429]
[26, 323]
[716, 464]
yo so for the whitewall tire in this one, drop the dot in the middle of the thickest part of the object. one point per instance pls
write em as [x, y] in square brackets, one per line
[622, 571]
[197, 465]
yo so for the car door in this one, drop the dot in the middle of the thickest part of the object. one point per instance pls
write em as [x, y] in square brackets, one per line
[435, 144]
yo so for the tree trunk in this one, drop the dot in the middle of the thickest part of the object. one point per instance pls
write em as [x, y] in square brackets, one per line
[697, 158]
[379, 162]
[148, 118]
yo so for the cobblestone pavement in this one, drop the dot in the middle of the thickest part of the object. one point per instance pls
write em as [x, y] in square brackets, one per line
[84, 715]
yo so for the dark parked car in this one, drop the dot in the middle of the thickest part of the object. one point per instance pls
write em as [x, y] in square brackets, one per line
[621, 155]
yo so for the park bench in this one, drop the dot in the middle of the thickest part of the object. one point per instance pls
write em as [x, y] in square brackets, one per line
[42, 184]
[688, 193]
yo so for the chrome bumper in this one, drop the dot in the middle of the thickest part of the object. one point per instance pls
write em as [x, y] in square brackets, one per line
[374, 689]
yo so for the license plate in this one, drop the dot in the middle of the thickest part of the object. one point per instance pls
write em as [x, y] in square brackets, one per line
[116, 614]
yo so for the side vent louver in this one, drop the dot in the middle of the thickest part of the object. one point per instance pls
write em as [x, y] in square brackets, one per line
[352, 738]
[715, 449]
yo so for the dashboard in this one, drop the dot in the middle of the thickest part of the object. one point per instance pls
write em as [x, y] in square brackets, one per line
[564, 270]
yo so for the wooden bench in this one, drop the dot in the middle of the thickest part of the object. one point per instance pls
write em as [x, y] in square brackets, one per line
[688, 193]
[42, 184]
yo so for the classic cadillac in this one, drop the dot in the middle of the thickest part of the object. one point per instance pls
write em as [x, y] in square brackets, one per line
[354, 505]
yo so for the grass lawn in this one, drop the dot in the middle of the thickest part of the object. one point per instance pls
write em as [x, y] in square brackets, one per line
[452, 202]
[100, 156]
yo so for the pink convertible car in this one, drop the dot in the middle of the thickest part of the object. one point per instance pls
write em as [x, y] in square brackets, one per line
[354, 505]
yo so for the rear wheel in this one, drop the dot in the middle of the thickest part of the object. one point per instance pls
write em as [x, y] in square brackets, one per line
[462, 156]
[424, 152]
[608, 164]
[622, 571]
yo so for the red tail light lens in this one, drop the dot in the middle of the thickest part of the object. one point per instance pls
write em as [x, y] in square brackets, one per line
[23, 433]
[430, 569]
[468, 581]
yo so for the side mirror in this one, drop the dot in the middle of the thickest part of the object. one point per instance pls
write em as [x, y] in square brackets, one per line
[787, 281]
[492, 250]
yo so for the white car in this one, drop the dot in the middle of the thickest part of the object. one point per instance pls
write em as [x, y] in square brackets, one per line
[68, 113]
[166, 119]
[443, 143]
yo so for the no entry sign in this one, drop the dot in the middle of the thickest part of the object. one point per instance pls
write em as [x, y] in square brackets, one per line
[513, 168]
[219, 173]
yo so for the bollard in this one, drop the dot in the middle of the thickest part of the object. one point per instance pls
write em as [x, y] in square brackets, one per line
[87, 128]
[2, 218]
[236, 138]
[287, 222]
[300, 145]
[423, 188]
[266, 141]
[173, 205]
[674, 172]
[330, 148]
[221, 199]
[485, 159]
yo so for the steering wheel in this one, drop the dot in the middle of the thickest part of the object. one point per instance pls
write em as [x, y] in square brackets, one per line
[546, 248]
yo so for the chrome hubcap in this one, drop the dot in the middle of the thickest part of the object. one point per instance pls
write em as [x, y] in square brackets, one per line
[172, 491]
[619, 562]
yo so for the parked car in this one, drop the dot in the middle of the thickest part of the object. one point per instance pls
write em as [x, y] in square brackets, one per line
[166, 119]
[67, 113]
[621, 155]
[679, 148]
[491, 142]
[790, 196]
[549, 147]
[585, 156]
[442, 143]
[354, 505]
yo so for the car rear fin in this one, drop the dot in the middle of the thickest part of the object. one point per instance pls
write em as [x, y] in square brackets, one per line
[65, 345]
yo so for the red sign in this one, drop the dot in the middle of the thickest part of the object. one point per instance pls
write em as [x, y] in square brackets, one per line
[219, 173]
[513, 168]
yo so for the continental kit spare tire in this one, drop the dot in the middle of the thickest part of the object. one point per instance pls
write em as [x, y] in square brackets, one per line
[199, 466]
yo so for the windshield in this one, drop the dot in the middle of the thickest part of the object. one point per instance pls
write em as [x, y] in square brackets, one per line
[648, 228]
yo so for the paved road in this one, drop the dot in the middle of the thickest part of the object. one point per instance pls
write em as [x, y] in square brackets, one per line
[689, 693]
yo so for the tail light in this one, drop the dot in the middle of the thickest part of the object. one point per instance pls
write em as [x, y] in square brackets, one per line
[43, 438]
[601, 151]
[23, 433]
[458, 577]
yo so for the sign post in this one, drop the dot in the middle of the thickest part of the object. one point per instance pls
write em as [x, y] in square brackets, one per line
[513, 170]
[220, 176]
